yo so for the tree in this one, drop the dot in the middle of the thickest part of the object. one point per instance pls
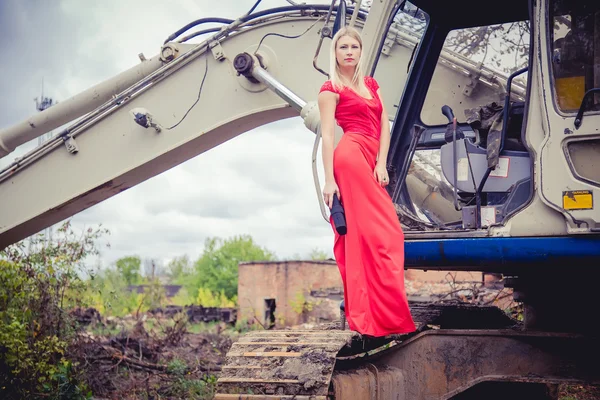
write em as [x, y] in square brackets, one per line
[317, 254]
[129, 268]
[217, 268]
[179, 268]
[504, 46]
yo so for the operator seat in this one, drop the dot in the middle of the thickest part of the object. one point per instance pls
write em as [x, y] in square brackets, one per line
[514, 164]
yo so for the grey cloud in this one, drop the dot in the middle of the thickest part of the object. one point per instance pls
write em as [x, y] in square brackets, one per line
[225, 207]
[272, 152]
[29, 40]
[35, 40]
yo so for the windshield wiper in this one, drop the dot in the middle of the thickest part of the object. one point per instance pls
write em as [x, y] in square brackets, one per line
[579, 117]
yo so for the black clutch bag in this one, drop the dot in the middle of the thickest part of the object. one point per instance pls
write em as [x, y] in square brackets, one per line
[339, 218]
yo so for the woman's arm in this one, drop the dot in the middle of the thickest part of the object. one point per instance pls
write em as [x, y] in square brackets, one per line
[327, 104]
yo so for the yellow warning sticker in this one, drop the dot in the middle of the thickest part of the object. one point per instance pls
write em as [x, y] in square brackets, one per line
[578, 200]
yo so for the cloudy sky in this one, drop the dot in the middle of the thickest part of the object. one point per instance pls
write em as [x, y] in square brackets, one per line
[73, 44]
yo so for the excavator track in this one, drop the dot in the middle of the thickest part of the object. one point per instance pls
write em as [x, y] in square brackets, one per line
[282, 364]
[299, 364]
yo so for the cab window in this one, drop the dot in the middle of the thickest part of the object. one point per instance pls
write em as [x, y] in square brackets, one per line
[575, 46]
[473, 68]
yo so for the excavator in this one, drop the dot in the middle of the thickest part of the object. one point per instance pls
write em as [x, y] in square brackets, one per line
[493, 167]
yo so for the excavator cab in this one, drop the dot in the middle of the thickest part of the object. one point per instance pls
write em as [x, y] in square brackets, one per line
[459, 122]
[479, 162]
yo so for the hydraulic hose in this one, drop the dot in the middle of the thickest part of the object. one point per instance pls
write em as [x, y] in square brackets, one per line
[317, 7]
[193, 35]
[197, 22]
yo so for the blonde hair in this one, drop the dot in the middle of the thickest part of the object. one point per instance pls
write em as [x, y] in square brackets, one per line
[334, 75]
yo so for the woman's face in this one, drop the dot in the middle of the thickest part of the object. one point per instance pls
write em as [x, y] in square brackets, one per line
[347, 52]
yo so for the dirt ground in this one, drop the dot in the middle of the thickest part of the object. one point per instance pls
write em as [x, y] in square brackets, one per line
[578, 392]
[155, 359]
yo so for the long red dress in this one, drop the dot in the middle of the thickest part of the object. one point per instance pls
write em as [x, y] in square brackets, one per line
[370, 256]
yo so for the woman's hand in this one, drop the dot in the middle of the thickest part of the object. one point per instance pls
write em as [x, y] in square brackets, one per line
[381, 175]
[329, 190]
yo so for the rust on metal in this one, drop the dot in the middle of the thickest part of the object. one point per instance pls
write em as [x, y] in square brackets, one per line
[440, 364]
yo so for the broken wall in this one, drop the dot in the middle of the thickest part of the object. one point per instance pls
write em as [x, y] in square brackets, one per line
[304, 291]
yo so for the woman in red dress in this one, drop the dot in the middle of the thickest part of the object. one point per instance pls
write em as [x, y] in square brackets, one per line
[370, 256]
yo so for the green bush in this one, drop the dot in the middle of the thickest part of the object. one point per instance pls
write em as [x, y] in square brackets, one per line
[108, 294]
[32, 354]
[39, 279]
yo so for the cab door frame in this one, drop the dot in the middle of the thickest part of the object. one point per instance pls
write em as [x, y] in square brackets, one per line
[559, 186]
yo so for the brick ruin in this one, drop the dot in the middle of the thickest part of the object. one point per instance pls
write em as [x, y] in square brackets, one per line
[287, 293]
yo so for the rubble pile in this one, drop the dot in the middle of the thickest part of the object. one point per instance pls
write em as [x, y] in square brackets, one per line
[149, 357]
[198, 313]
[467, 291]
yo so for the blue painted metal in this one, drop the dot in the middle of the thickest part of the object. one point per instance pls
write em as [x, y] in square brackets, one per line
[497, 254]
